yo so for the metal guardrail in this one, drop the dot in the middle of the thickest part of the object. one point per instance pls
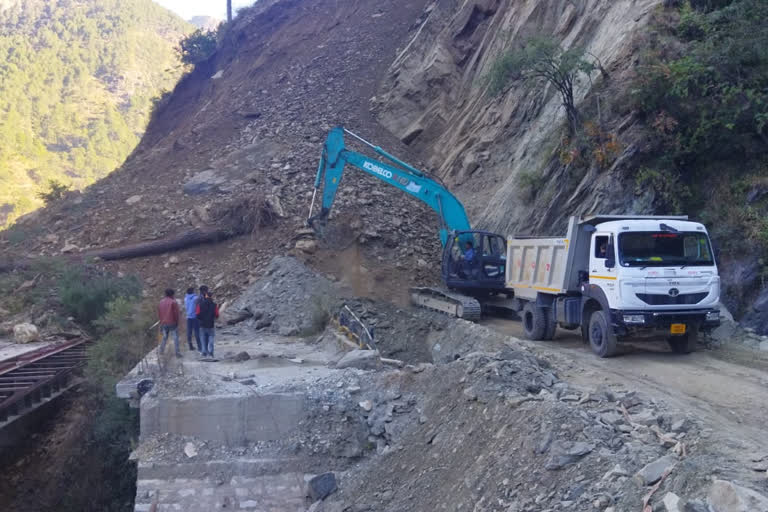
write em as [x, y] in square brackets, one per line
[31, 378]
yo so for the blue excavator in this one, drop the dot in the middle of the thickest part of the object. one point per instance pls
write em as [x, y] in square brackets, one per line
[472, 261]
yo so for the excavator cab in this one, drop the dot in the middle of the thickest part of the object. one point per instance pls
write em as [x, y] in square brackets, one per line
[474, 261]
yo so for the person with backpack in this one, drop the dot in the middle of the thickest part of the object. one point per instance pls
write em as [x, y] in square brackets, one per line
[168, 316]
[207, 313]
[193, 325]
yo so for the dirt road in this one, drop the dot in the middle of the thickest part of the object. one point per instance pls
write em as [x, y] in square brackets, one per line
[726, 388]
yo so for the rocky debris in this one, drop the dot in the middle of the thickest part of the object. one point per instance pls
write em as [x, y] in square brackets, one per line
[133, 200]
[360, 359]
[322, 486]
[298, 300]
[242, 356]
[25, 333]
[726, 496]
[69, 248]
[190, 450]
[654, 471]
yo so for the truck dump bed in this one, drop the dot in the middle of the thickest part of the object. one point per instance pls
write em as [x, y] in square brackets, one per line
[544, 265]
[537, 265]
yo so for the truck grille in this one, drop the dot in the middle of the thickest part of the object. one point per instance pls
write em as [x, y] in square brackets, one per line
[664, 299]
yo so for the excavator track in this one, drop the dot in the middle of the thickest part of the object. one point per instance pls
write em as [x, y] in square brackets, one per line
[452, 304]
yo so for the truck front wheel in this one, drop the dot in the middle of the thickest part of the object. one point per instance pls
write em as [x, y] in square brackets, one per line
[601, 336]
[686, 343]
[534, 321]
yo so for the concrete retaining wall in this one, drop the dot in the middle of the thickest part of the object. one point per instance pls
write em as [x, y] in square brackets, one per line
[231, 419]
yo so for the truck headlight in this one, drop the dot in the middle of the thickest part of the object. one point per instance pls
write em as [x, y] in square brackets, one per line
[713, 316]
[634, 319]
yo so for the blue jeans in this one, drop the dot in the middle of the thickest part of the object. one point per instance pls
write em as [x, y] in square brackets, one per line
[208, 334]
[167, 330]
[193, 326]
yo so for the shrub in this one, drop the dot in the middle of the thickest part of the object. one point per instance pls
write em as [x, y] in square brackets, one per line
[198, 46]
[529, 184]
[126, 338]
[55, 192]
[85, 293]
[667, 186]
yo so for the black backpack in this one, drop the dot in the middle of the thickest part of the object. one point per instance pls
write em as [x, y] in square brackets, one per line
[207, 315]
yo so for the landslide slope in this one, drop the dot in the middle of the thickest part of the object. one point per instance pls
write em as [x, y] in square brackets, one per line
[240, 138]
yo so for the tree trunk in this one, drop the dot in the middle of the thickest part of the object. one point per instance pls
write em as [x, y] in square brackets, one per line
[229, 11]
[183, 241]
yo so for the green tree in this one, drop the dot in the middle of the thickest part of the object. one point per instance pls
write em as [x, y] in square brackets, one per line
[540, 60]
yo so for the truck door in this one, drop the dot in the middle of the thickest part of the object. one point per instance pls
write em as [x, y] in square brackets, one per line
[602, 265]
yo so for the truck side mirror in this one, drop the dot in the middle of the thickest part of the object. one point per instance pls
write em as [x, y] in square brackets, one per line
[610, 263]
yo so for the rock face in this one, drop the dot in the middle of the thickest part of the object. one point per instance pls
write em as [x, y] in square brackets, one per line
[435, 100]
[25, 333]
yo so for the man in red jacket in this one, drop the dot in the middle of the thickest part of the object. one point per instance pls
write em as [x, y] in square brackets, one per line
[168, 314]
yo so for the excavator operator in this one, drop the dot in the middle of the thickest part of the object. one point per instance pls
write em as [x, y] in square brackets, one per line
[469, 252]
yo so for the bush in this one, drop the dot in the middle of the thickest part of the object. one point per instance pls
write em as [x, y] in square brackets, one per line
[198, 46]
[670, 192]
[126, 338]
[714, 93]
[55, 192]
[85, 293]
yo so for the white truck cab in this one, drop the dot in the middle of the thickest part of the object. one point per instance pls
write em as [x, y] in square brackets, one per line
[618, 277]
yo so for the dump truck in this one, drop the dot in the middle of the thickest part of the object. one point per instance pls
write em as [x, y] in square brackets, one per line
[617, 278]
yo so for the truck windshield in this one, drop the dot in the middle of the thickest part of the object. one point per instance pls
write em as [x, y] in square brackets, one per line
[664, 248]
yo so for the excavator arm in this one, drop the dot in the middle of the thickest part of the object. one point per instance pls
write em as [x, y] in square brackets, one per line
[397, 173]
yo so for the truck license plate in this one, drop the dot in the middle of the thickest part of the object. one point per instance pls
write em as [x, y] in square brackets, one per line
[677, 328]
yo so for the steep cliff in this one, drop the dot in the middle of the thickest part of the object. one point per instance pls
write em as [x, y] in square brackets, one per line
[435, 98]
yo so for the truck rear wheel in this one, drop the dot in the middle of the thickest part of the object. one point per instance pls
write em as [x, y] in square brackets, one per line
[549, 332]
[686, 343]
[534, 321]
[601, 336]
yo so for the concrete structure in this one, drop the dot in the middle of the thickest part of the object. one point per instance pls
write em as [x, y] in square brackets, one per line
[212, 432]
[231, 419]
[256, 485]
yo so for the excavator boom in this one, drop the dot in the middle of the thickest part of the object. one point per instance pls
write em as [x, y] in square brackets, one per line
[397, 173]
[477, 275]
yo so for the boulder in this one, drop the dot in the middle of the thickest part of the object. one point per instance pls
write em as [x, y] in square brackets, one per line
[654, 471]
[203, 183]
[308, 246]
[322, 486]
[726, 496]
[25, 333]
[361, 359]
[672, 502]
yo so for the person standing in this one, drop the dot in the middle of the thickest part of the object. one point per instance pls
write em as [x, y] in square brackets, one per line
[168, 315]
[207, 313]
[193, 325]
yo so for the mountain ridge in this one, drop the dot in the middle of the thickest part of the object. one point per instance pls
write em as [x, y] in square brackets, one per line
[76, 90]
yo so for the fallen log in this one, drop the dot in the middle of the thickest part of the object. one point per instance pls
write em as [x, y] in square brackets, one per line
[188, 239]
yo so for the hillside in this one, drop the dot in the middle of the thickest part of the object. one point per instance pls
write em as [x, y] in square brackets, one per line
[77, 85]
[246, 127]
